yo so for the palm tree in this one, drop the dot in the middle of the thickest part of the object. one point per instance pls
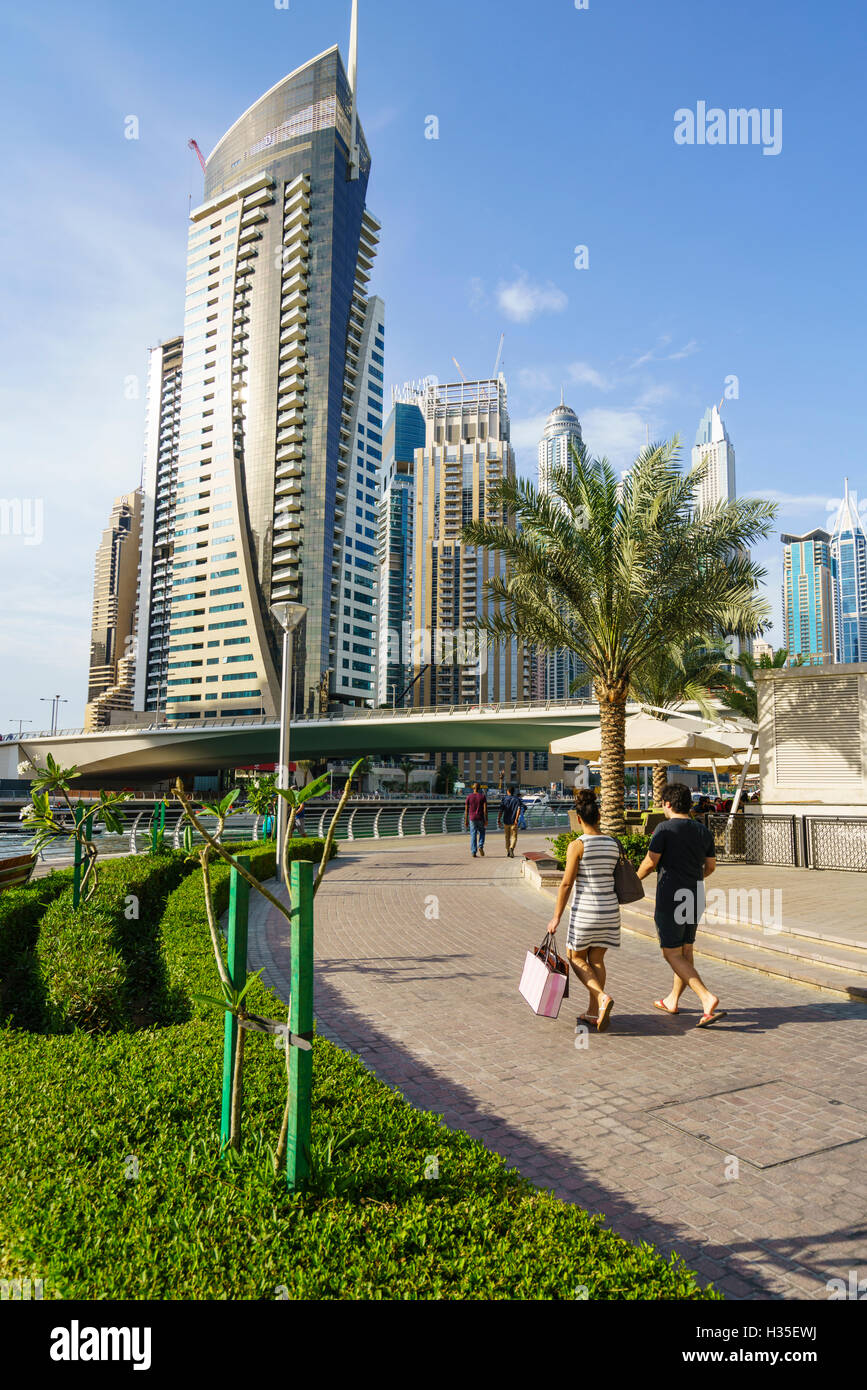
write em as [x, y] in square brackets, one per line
[738, 691]
[407, 767]
[446, 777]
[615, 570]
[362, 769]
[676, 675]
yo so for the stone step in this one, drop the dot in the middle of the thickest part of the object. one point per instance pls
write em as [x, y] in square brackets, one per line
[808, 960]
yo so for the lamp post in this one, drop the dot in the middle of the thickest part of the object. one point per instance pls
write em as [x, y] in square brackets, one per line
[21, 723]
[55, 701]
[289, 616]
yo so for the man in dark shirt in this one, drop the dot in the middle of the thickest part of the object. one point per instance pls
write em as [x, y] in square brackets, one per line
[511, 807]
[476, 817]
[683, 851]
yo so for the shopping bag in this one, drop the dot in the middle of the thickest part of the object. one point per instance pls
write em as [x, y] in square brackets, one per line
[545, 979]
[522, 819]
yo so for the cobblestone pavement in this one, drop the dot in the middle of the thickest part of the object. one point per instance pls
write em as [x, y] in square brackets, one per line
[419, 951]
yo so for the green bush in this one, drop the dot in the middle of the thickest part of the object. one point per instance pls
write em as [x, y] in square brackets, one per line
[21, 910]
[636, 846]
[113, 1187]
[301, 847]
[101, 965]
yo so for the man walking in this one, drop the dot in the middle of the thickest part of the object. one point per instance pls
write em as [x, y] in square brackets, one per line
[476, 817]
[511, 808]
[684, 852]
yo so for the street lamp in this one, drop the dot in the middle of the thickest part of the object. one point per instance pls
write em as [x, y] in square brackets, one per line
[288, 615]
[55, 701]
[20, 723]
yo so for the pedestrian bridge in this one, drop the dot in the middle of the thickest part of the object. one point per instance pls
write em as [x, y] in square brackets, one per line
[126, 755]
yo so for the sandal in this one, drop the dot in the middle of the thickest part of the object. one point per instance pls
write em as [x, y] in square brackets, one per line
[603, 1022]
[707, 1019]
[663, 1007]
[588, 1018]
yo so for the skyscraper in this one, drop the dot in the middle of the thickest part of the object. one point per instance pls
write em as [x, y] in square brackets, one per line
[808, 598]
[555, 673]
[279, 449]
[159, 489]
[712, 443]
[466, 453]
[404, 433]
[112, 654]
[849, 557]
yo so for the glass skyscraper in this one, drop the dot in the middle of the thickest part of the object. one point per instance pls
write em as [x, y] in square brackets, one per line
[808, 602]
[279, 446]
[404, 433]
[849, 556]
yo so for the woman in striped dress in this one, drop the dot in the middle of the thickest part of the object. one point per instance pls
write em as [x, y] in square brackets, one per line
[594, 918]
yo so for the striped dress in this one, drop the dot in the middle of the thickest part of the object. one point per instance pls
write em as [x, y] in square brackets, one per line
[594, 919]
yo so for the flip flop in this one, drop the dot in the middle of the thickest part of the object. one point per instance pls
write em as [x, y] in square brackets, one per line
[663, 1007]
[603, 1022]
[707, 1019]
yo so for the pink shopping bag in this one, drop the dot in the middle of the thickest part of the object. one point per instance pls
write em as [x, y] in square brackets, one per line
[545, 979]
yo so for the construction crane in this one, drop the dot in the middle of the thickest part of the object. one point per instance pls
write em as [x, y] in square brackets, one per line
[499, 355]
[459, 367]
[191, 144]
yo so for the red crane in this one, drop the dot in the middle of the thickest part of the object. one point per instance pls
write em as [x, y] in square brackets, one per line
[193, 146]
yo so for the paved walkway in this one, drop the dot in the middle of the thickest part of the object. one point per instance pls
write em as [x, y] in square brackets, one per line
[762, 1188]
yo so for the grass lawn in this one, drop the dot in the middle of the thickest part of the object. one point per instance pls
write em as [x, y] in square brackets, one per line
[112, 1185]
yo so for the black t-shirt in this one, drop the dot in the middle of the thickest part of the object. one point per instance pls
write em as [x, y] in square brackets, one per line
[683, 845]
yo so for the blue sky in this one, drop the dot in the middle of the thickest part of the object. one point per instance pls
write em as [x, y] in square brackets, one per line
[556, 130]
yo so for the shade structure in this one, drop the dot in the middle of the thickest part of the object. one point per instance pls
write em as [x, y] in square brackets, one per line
[647, 740]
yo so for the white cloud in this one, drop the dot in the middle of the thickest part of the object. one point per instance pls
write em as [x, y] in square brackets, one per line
[522, 300]
[686, 351]
[585, 375]
[616, 434]
[535, 379]
[526, 433]
[654, 395]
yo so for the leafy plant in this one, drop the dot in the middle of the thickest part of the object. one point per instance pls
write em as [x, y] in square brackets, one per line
[636, 846]
[43, 819]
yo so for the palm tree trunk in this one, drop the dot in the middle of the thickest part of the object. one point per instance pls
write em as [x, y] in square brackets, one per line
[612, 733]
[660, 777]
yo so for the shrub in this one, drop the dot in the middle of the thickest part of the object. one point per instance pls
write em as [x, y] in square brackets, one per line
[636, 846]
[21, 910]
[101, 965]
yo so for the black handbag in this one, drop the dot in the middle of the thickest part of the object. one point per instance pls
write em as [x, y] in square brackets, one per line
[627, 884]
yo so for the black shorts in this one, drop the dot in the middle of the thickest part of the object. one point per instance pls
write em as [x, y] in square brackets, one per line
[677, 915]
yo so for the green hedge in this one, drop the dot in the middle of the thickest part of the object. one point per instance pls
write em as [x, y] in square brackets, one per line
[21, 910]
[113, 1188]
[101, 965]
[636, 846]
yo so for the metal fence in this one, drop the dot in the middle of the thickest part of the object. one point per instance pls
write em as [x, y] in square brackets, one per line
[798, 842]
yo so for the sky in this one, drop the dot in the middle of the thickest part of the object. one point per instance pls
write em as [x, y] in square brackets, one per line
[713, 270]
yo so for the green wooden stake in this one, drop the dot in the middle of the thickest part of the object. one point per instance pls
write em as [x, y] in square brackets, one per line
[300, 1022]
[239, 901]
[78, 816]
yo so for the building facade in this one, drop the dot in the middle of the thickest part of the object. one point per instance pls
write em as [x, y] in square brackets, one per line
[553, 674]
[404, 433]
[849, 557]
[808, 598]
[279, 446]
[110, 684]
[159, 489]
[712, 443]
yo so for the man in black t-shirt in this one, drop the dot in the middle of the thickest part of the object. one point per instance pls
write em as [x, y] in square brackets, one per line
[683, 851]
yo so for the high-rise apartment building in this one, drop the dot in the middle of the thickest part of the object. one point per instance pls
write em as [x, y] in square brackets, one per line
[554, 673]
[404, 433]
[712, 443]
[112, 653]
[159, 488]
[466, 454]
[849, 556]
[278, 448]
[808, 598]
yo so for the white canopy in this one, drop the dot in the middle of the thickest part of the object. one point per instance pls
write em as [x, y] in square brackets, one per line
[648, 740]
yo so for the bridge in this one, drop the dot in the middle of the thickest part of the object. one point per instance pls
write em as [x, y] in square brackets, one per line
[126, 755]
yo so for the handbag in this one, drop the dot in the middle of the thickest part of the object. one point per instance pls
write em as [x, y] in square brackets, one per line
[627, 884]
[545, 979]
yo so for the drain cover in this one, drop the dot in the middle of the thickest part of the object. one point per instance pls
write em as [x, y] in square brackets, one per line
[768, 1124]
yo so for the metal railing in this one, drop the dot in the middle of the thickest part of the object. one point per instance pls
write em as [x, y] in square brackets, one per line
[792, 841]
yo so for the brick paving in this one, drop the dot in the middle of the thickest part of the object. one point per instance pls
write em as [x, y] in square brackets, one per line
[419, 950]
